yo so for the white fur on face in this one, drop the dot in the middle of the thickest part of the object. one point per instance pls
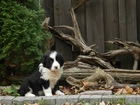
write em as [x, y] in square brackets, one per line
[55, 64]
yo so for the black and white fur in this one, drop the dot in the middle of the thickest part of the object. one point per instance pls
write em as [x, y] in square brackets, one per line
[45, 80]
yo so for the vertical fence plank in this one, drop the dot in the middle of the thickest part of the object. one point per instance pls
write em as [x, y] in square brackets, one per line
[95, 26]
[122, 29]
[131, 20]
[122, 19]
[110, 21]
[138, 19]
[49, 10]
[62, 17]
[131, 31]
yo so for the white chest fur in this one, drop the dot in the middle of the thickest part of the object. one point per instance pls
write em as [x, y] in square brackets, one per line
[52, 76]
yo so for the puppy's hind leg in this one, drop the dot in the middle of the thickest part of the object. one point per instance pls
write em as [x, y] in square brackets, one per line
[29, 94]
[46, 87]
[57, 91]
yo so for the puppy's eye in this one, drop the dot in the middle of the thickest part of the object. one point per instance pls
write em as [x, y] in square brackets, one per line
[57, 58]
[50, 59]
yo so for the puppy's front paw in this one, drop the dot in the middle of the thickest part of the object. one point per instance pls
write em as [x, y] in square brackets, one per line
[58, 92]
[48, 95]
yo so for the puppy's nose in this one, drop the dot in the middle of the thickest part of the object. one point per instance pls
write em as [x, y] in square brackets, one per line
[56, 67]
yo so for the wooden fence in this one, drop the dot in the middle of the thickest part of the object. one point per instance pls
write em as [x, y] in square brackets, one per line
[99, 21]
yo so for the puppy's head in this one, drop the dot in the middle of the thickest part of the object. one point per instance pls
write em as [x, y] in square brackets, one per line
[52, 60]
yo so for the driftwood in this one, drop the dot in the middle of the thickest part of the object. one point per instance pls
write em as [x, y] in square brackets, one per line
[81, 2]
[126, 48]
[77, 40]
[120, 75]
[98, 75]
[89, 60]
[89, 55]
[93, 60]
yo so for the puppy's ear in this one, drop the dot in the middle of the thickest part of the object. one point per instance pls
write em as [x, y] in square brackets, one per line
[60, 58]
[42, 60]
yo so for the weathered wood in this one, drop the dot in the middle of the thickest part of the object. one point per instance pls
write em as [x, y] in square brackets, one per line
[81, 19]
[99, 21]
[93, 60]
[113, 54]
[138, 19]
[99, 74]
[110, 22]
[130, 47]
[122, 19]
[48, 6]
[92, 57]
[61, 14]
[121, 75]
[75, 39]
[131, 20]
[45, 23]
[111, 83]
[131, 26]
[95, 24]
[81, 2]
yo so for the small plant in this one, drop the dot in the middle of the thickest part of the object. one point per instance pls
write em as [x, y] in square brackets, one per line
[11, 90]
[42, 102]
[22, 38]
[121, 101]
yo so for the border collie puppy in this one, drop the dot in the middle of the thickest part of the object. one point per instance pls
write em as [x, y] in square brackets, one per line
[45, 80]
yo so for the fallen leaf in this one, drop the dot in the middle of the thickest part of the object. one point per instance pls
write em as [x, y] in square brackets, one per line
[101, 88]
[66, 103]
[82, 89]
[76, 91]
[66, 90]
[111, 87]
[87, 84]
[90, 85]
[128, 89]
[137, 90]
[124, 91]
[119, 91]
[134, 93]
